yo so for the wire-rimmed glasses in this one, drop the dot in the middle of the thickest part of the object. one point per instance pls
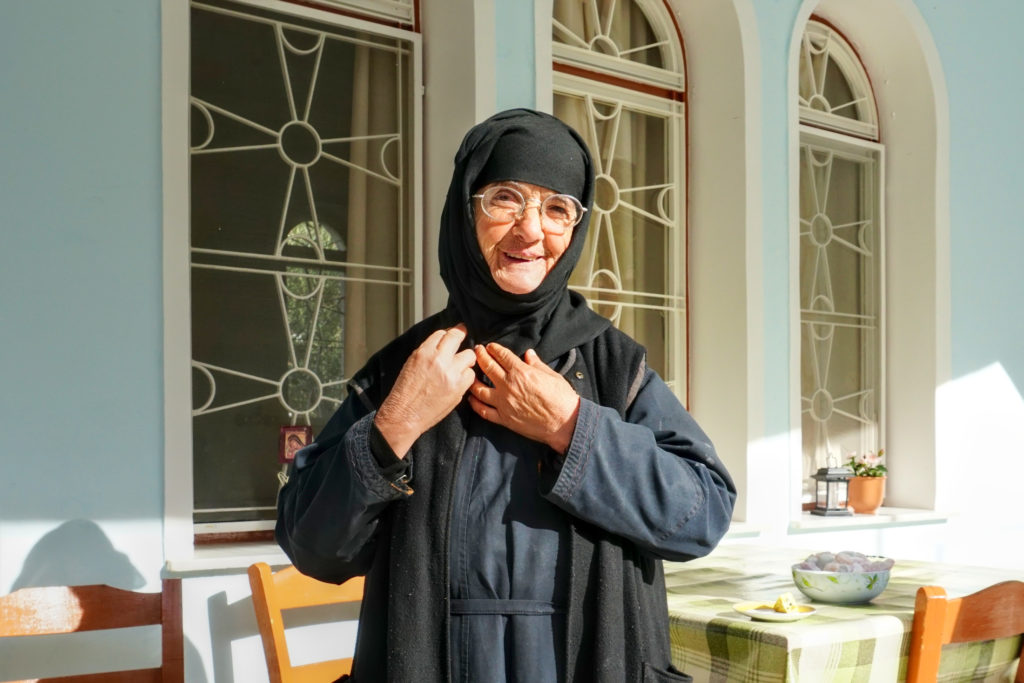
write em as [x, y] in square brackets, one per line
[558, 212]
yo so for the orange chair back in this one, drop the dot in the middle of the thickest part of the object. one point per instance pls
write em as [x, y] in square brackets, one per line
[69, 609]
[991, 613]
[273, 592]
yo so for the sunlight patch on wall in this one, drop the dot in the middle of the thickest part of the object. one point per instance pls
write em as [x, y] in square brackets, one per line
[980, 464]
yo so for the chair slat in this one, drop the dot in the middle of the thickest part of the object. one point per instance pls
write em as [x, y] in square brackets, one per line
[50, 610]
[288, 588]
[989, 614]
[67, 609]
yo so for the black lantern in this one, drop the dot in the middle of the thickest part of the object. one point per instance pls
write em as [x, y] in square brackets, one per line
[832, 491]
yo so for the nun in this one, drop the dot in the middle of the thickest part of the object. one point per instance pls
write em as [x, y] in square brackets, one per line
[509, 474]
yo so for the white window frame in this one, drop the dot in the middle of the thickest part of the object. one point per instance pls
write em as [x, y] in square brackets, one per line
[874, 153]
[671, 78]
[179, 530]
[855, 139]
[913, 103]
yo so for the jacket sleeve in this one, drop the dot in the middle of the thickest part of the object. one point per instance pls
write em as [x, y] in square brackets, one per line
[330, 509]
[653, 478]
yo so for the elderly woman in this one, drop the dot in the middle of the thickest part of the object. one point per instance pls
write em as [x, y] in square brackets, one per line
[508, 473]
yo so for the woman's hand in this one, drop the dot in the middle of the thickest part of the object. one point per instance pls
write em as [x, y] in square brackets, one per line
[432, 382]
[528, 397]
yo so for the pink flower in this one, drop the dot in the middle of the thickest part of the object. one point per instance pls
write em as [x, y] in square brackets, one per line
[869, 459]
[868, 464]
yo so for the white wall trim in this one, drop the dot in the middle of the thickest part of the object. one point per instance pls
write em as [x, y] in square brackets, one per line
[459, 67]
[901, 58]
[725, 253]
[543, 11]
[177, 349]
[178, 544]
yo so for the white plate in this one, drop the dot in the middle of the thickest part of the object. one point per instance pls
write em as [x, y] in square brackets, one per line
[762, 612]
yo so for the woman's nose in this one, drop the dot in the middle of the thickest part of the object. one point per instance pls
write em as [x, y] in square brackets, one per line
[528, 225]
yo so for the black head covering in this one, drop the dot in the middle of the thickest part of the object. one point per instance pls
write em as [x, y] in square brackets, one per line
[532, 147]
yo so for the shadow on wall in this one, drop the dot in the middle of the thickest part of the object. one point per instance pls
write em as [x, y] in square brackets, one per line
[78, 553]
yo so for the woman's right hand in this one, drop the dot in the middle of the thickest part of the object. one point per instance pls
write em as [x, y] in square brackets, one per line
[432, 382]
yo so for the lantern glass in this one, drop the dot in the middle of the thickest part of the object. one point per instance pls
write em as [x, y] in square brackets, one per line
[832, 491]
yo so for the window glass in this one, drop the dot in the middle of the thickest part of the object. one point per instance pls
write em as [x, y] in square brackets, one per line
[300, 221]
[834, 90]
[842, 376]
[634, 261]
[839, 304]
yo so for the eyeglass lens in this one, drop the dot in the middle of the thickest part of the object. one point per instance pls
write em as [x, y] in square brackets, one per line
[558, 212]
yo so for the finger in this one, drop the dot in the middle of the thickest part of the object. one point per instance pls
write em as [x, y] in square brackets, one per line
[483, 410]
[503, 355]
[482, 392]
[452, 339]
[465, 357]
[467, 378]
[489, 365]
[533, 359]
[434, 339]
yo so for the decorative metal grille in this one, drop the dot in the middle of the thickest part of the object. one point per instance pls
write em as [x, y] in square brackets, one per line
[834, 90]
[839, 304]
[633, 266]
[300, 219]
[635, 39]
[840, 247]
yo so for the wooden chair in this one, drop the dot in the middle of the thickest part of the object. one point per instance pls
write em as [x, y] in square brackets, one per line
[69, 609]
[284, 589]
[991, 613]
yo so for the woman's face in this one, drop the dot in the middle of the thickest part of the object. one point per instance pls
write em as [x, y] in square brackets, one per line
[518, 252]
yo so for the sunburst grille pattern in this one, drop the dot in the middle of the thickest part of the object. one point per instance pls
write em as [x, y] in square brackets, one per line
[299, 219]
[839, 305]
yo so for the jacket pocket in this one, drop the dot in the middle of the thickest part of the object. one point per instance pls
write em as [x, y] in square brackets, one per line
[669, 675]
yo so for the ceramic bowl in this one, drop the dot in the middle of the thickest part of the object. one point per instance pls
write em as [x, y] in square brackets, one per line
[840, 587]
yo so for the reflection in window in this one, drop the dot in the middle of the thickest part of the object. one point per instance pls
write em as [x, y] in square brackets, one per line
[300, 218]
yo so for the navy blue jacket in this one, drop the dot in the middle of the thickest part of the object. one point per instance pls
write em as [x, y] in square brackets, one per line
[639, 483]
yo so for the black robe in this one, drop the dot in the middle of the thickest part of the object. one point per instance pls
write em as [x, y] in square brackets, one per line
[617, 622]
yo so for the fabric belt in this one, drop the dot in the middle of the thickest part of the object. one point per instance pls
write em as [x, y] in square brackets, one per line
[497, 606]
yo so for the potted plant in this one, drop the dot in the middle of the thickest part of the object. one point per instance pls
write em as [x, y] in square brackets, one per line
[867, 487]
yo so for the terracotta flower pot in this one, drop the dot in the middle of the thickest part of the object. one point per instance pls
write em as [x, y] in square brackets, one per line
[866, 494]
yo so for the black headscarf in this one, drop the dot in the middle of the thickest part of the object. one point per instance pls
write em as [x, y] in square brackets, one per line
[533, 147]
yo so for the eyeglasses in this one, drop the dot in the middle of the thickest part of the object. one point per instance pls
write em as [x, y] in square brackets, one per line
[558, 212]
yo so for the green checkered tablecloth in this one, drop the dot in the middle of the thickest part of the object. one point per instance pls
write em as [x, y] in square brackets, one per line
[844, 643]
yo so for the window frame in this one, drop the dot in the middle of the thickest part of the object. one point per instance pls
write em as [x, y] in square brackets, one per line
[180, 538]
[855, 138]
[659, 91]
[851, 147]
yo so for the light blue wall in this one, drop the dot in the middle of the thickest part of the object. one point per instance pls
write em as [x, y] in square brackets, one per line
[514, 37]
[775, 25]
[978, 43]
[80, 311]
[80, 267]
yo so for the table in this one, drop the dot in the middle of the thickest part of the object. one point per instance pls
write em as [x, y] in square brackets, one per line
[712, 642]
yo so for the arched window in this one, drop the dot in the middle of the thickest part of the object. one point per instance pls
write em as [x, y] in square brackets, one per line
[841, 256]
[301, 221]
[619, 79]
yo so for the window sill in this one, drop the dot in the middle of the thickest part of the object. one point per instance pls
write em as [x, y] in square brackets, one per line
[886, 517]
[743, 530]
[225, 558]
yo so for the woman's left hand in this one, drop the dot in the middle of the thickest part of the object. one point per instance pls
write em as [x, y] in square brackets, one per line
[528, 397]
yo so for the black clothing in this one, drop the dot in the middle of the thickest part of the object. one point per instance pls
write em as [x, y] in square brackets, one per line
[339, 518]
[551, 319]
[639, 483]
